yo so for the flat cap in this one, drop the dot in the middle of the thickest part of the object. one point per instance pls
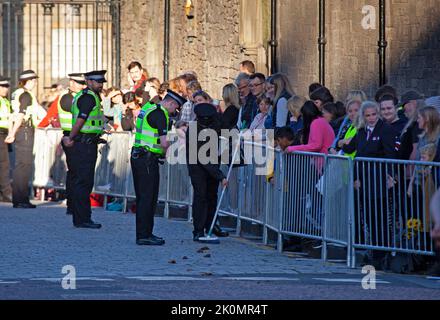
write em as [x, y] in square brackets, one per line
[409, 96]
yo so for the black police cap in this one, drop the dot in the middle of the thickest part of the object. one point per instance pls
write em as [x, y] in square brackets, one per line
[176, 97]
[205, 110]
[98, 76]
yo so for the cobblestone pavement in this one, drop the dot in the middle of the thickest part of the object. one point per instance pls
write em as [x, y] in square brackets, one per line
[37, 244]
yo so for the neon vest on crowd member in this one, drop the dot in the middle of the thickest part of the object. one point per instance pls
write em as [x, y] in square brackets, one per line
[31, 111]
[64, 116]
[5, 112]
[95, 122]
[146, 136]
[351, 133]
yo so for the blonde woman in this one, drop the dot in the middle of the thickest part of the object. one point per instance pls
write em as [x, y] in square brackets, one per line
[283, 92]
[429, 121]
[348, 129]
[294, 106]
[231, 98]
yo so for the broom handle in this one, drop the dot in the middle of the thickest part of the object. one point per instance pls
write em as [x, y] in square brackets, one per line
[224, 188]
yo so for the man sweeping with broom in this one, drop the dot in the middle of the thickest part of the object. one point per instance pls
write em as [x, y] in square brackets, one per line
[205, 174]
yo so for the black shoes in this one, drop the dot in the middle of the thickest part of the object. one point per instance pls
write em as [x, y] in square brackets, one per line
[24, 206]
[219, 232]
[88, 225]
[197, 235]
[151, 241]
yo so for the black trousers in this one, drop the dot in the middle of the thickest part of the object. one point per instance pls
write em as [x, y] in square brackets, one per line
[67, 152]
[82, 177]
[204, 199]
[24, 160]
[5, 184]
[146, 180]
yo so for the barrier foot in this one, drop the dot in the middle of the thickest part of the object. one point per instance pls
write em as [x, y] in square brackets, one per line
[280, 243]
[238, 228]
[265, 236]
[324, 251]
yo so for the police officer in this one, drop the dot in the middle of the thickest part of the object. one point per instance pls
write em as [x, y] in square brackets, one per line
[5, 117]
[87, 128]
[149, 147]
[65, 101]
[205, 174]
[26, 108]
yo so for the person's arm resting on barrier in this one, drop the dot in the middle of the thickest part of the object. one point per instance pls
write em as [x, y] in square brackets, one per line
[316, 138]
[352, 146]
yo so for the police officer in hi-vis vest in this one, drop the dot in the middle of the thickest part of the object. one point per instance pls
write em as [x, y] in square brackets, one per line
[25, 119]
[5, 121]
[65, 102]
[87, 128]
[150, 145]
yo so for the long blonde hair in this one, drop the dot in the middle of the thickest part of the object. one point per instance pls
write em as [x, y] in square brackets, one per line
[231, 96]
[361, 123]
[432, 120]
[282, 84]
[347, 107]
[295, 104]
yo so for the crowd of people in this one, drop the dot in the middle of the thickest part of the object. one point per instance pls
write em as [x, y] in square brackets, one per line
[389, 126]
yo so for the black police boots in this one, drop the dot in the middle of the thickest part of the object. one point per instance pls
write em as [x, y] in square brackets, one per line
[24, 206]
[88, 225]
[219, 232]
[151, 241]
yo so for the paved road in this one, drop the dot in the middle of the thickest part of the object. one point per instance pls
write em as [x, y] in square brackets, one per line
[37, 244]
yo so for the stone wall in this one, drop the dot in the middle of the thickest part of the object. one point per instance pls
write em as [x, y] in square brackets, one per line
[352, 61]
[210, 43]
[298, 34]
[142, 24]
[413, 31]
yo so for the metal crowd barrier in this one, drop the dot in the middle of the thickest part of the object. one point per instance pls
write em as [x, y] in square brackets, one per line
[50, 163]
[391, 205]
[360, 204]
